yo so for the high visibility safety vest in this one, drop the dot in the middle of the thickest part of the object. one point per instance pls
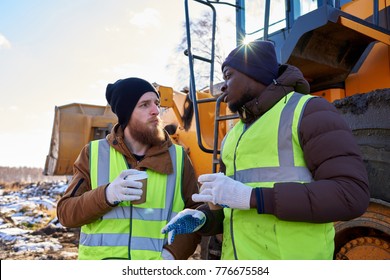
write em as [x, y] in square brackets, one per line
[131, 231]
[267, 152]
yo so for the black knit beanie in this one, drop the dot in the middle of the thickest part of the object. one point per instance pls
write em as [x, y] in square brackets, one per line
[124, 94]
[256, 60]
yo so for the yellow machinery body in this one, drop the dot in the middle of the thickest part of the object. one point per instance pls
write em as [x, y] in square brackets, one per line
[344, 60]
[73, 127]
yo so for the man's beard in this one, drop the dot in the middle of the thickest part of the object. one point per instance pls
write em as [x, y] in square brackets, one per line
[146, 135]
[245, 98]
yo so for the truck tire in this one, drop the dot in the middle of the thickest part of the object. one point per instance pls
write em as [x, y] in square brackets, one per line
[366, 237]
[365, 248]
[369, 118]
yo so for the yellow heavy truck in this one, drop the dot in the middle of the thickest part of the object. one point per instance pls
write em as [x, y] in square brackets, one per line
[343, 50]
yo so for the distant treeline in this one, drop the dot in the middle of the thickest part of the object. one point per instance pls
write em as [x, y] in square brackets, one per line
[25, 175]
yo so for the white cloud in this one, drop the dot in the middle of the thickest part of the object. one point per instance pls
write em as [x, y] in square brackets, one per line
[115, 29]
[4, 43]
[148, 18]
[9, 108]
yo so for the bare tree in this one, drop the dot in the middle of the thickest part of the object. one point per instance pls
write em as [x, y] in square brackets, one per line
[201, 36]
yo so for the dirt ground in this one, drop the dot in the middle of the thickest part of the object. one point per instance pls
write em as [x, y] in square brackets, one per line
[68, 238]
[30, 231]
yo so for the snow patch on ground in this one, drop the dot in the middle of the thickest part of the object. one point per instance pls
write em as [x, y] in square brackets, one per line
[28, 226]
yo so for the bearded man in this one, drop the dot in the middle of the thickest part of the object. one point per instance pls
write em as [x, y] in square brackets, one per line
[103, 198]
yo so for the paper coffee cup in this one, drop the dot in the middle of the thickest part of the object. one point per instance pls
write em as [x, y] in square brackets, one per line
[142, 177]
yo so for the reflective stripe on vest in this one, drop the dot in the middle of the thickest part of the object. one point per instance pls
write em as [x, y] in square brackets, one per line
[127, 226]
[259, 156]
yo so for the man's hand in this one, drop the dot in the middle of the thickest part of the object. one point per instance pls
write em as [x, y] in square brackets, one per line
[123, 189]
[220, 189]
[186, 221]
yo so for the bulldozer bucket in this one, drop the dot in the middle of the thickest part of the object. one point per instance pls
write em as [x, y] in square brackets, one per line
[74, 126]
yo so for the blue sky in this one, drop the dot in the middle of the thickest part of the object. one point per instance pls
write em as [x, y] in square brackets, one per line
[58, 52]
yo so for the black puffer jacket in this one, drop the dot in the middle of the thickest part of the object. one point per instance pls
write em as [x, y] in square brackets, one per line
[340, 187]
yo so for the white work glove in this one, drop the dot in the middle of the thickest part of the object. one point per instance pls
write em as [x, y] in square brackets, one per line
[166, 255]
[123, 189]
[186, 221]
[222, 190]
